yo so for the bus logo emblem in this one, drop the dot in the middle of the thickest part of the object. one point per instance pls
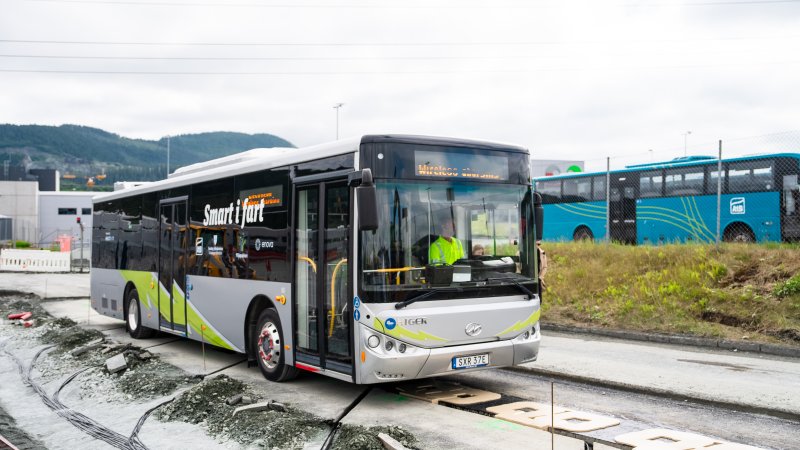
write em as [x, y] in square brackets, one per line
[473, 329]
[390, 323]
[737, 205]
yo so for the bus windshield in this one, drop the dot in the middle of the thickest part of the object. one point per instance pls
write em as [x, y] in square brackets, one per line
[447, 235]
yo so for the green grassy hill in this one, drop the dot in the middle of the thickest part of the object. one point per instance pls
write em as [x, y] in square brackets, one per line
[749, 292]
[86, 152]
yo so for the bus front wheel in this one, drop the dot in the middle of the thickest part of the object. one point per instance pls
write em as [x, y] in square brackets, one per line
[133, 318]
[739, 233]
[269, 348]
[582, 234]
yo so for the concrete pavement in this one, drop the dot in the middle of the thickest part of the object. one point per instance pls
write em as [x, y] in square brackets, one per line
[47, 285]
[748, 379]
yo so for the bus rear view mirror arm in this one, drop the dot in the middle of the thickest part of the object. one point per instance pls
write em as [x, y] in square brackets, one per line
[367, 202]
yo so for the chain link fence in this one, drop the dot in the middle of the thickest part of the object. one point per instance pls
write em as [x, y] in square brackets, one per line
[657, 197]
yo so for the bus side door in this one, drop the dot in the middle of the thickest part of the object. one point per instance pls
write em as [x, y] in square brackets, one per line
[173, 235]
[622, 213]
[323, 293]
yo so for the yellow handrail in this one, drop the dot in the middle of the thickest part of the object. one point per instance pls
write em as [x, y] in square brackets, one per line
[392, 270]
[333, 294]
[310, 261]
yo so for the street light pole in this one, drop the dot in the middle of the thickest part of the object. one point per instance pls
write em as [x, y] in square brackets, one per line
[168, 156]
[336, 107]
[685, 141]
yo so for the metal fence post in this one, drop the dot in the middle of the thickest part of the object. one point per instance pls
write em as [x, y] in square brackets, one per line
[608, 199]
[719, 190]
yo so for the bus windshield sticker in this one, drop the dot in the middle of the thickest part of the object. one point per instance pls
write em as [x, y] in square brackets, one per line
[460, 165]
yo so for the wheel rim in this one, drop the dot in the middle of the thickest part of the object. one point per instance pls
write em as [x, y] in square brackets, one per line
[269, 345]
[133, 315]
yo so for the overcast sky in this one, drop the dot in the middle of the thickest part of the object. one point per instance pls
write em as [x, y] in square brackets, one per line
[567, 79]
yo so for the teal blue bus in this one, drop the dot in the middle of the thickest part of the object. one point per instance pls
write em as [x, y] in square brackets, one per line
[676, 201]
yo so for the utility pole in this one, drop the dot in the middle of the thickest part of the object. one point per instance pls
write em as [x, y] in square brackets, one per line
[81, 225]
[336, 107]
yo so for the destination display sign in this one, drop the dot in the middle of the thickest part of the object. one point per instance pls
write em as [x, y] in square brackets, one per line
[272, 196]
[460, 165]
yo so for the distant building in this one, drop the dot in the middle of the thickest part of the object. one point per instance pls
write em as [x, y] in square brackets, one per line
[58, 214]
[20, 201]
[550, 167]
[48, 179]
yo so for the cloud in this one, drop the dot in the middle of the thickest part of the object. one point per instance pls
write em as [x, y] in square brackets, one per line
[572, 80]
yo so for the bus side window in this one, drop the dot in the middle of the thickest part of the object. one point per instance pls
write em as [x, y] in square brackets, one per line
[791, 194]
[599, 188]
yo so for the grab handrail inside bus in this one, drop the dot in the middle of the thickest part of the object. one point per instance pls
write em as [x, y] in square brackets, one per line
[333, 294]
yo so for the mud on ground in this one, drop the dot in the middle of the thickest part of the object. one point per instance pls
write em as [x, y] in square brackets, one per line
[148, 378]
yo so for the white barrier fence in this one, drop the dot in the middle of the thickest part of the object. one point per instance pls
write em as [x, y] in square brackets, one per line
[12, 260]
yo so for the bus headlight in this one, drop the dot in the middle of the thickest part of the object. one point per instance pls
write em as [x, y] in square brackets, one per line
[389, 345]
[373, 341]
[401, 348]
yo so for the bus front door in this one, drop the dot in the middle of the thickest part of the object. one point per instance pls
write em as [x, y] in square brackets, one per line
[172, 265]
[322, 290]
[622, 212]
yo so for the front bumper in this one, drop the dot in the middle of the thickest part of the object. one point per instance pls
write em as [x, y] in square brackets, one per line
[381, 365]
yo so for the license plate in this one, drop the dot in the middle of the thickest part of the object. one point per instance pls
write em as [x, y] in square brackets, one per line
[467, 362]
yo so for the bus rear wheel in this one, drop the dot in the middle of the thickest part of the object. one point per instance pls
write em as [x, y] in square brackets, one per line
[133, 318]
[269, 348]
[739, 233]
[583, 234]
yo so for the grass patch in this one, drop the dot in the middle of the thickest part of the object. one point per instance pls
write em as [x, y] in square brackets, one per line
[733, 292]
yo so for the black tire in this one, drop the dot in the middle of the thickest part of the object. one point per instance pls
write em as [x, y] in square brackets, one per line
[269, 348]
[739, 233]
[133, 317]
[583, 234]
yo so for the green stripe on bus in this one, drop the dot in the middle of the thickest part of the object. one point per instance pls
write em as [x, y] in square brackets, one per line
[519, 326]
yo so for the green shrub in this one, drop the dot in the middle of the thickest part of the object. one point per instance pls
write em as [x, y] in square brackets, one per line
[23, 244]
[789, 287]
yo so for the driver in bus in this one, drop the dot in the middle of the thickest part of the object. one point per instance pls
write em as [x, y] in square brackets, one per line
[447, 248]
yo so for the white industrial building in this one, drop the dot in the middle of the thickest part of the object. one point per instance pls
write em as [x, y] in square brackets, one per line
[42, 217]
[19, 200]
[58, 214]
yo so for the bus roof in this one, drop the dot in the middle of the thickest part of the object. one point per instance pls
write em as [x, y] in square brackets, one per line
[677, 162]
[267, 158]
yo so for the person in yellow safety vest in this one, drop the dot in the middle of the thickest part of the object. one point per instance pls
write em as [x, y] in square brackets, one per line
[446, 249]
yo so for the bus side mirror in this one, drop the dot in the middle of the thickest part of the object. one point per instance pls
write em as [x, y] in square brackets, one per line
[367, 202]
[538, 215]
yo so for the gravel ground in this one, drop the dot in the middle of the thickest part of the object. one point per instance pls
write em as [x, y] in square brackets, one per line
[148, 382]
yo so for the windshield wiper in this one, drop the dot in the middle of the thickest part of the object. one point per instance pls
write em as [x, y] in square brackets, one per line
[517, 284]
[411, 300]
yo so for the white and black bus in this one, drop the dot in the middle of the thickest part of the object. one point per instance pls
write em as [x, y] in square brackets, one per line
[319, 258]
